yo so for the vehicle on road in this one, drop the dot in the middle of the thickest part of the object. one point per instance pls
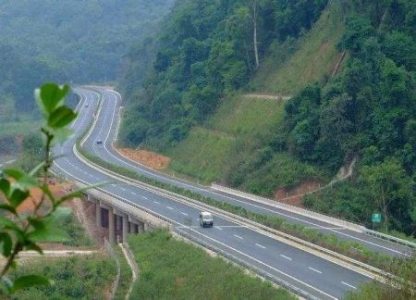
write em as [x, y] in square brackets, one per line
[99, 142]
[206, 219]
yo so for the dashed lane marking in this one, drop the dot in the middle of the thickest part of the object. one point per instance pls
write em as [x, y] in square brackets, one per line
[349, 285]
[260, 246]
[315, 270]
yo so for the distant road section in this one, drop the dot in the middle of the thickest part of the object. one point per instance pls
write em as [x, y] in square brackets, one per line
[267, 96]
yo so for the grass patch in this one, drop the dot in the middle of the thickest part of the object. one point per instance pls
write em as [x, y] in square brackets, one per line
[262, 173]
[328, 241]
[202, 155]
[238, 115]
[19, 128]
[77, 277]
[125, 275]
[75, 232]
[171, 269]
[205, 154]
[313, 61]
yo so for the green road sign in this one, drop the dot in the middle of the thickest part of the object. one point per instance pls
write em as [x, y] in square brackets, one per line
[376, 218]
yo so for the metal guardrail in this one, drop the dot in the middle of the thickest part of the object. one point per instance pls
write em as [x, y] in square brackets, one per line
[377, 273]
[390, 238]
[234, 217]
[291, 208]
[317, 216]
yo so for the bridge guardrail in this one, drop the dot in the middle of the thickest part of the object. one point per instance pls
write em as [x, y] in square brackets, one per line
[315, 215]
[390, 238]
[291, 208]
[375, 272]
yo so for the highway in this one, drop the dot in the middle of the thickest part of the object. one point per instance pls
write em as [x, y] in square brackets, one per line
[271, 257]
[106, 131]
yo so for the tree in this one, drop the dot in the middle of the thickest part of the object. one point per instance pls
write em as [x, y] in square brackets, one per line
[20, 232]
[391, 191]
[255, 10]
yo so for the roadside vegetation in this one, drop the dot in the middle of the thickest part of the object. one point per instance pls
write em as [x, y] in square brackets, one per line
[172, 269]
[328, 241]
[350, 69]
[76, 277]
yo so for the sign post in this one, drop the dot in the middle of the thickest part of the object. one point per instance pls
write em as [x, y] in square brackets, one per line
[376, 218]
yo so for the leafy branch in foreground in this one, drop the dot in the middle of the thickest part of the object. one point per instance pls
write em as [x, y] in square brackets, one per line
[24, 231]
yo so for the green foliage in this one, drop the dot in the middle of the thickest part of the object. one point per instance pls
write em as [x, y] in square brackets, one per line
[329, 241]
[67, 41]
[367, 112]
[24, 231]
[125, 275]
[32, 152]
[77, 277]
[171, 269]
[74, 231]
[402, 289]
[206, 50]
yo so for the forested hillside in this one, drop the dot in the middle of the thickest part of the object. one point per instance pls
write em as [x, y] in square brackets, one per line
[206, 49]
[67, 41]
[363, 108]
[366, 112]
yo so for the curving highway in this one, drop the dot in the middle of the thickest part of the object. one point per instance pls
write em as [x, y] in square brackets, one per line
[105, 131]
[274, 259]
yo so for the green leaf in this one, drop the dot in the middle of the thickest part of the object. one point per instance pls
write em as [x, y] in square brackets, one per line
[7, 223]
[6, 244]
[62, 134]
[36, 222]
[14, 173]
[7, 282]
[4, 186]
[29, 281]
[18, 196]
[48, 231]
[25, 182]
[61, 117]
[9, 208]
[50, 96]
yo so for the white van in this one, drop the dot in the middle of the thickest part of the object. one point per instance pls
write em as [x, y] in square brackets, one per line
[206, 219]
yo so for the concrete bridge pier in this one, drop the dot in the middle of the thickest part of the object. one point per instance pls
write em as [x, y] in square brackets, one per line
[126, 227]
[111, 227]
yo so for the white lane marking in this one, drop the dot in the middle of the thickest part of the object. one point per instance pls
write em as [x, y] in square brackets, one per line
[118, 96]
[218, 228]
[225, 245]
[171, 208]
[185, 214]
[260, 246]
[286, 257]
[113, 184]
[237, 236]
[145, 198]
[349, 285]
[156, 202]
[315, 270]
[123, 189]
[327, 228]
[261, 262]
[134, 193]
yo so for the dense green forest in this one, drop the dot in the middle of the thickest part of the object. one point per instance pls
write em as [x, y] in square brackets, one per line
[66, 41]
[365, 111]
[206, 49]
